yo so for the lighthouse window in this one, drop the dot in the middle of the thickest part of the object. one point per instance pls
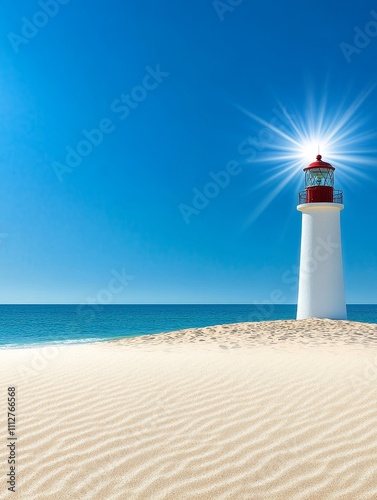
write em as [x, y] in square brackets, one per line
[319, 177]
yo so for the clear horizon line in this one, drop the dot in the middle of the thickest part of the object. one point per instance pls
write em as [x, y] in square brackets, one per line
[166, 304]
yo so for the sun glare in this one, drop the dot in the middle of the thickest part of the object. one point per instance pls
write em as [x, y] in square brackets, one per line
[339, 134]
[312, 148]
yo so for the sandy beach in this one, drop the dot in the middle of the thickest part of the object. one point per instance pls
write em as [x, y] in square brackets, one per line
[274, 410]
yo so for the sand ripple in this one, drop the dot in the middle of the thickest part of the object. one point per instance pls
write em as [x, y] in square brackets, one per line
[284, 419]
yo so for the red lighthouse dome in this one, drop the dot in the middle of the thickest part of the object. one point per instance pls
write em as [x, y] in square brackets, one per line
[319, 183]
[319, 164]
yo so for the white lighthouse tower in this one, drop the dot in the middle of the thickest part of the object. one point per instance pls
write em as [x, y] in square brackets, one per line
[321, 286]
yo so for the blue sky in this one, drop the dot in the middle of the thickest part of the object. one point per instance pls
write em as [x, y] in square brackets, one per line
[174, 88]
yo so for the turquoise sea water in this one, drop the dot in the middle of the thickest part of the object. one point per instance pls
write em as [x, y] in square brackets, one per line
[24, 325]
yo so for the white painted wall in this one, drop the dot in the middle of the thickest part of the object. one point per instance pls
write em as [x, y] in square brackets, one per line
[321, 286]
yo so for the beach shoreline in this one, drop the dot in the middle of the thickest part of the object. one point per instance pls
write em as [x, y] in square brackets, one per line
[365, 329]
[282, 409]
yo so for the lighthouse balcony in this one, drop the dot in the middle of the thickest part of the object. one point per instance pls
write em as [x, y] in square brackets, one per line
[306, 196]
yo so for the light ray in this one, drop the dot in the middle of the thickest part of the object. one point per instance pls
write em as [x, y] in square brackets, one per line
[338, 130]
[268, 199]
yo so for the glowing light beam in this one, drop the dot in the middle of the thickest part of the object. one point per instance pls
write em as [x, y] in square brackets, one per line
[339, 132]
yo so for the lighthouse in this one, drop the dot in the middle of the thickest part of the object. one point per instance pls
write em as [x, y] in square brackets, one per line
[321, 286]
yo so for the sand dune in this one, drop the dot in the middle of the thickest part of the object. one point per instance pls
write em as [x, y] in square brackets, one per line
[278, 410]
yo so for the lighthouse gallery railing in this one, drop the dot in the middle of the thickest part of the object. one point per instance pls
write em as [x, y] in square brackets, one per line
[337, 198]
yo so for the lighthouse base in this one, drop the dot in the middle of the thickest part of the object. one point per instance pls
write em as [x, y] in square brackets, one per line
[321, 286]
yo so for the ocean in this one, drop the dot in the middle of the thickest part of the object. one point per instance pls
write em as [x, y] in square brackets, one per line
[27, 325]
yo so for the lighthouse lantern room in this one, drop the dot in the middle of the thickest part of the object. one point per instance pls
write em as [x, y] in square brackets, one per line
[321, 286]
